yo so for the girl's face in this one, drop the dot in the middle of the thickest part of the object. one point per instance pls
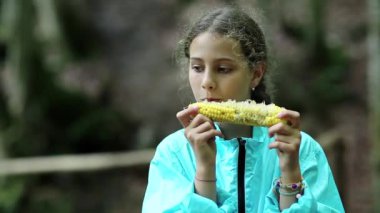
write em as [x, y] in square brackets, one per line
[218, 70]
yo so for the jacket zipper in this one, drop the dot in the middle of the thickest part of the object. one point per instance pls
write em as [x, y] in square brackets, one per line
[241, 171]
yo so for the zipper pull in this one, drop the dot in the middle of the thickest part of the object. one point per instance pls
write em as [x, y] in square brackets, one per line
[241, 141]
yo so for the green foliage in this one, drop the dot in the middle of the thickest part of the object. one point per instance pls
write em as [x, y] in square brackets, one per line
[66, 122]
[11, 192]
[49, 200]
[51, 120]
[317, 78]
[81, 37]
[4, 114]
[329, 84]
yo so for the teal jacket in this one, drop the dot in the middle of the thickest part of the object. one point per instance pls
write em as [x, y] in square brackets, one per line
[172, 170]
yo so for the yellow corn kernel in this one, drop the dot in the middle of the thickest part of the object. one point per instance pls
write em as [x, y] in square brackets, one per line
[244, 112]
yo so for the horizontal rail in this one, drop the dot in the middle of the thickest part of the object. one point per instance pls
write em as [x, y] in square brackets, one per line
[101, 161]
[74, 163]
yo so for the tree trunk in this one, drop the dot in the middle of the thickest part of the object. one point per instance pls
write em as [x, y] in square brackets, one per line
[374, 93]
[19, 29]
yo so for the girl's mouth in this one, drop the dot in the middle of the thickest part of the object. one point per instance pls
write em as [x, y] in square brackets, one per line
[212, 99]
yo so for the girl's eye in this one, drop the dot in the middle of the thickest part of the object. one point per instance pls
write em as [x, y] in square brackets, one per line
[196, 68]
[224, 69]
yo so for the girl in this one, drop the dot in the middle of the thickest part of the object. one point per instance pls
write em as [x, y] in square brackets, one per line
[220, 167]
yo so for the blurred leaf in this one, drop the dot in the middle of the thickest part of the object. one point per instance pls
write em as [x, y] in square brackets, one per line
[11, 191]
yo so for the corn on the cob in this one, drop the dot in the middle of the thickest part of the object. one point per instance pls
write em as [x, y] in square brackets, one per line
[245, 112]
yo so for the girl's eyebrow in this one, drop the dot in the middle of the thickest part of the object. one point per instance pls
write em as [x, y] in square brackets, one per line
[218, 59]
[195, 58]
[225, 59]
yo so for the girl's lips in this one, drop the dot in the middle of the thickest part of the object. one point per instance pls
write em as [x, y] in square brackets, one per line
[213, 99]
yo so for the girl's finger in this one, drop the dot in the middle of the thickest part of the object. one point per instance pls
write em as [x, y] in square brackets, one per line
[185, 116]
[203, 127]
[194, 136]
[283, 147]
[293, 139]
[200, 119]
[211, 134]
[207, 125]
[281, 129]
[292, 118]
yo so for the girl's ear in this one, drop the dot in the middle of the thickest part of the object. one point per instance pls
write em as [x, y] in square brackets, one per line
[257, 74]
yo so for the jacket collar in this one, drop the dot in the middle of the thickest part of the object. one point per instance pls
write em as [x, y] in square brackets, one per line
[259, 133]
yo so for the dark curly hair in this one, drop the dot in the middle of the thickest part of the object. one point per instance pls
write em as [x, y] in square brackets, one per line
[236, 24]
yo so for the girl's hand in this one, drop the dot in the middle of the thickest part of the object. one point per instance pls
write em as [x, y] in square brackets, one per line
[287, 142]
[201, 132]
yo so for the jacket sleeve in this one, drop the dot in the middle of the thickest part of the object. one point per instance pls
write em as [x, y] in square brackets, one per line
[320, 193]
[171, 187]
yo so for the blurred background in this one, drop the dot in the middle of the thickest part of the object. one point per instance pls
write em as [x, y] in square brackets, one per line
[88, 88]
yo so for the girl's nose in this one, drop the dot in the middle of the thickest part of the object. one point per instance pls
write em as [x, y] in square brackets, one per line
[208, 81]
